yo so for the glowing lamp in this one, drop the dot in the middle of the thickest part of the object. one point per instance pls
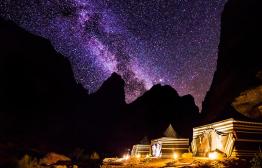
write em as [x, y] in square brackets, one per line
[126, 157]
[213, 155]
[175, 156]
[138, 156]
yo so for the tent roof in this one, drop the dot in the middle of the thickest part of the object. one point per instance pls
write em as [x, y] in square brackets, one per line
[170, 132]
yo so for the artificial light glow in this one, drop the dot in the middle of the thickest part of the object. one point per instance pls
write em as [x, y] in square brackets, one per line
[213, 155]
[219, 143]
[175, 156]
[138, 156]
[126, 157]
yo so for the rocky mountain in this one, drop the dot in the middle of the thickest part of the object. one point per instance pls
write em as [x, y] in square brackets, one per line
[148, 116]
[114, 85]
[160, 106]
[38, 90]
[43, 107]
[239, 61]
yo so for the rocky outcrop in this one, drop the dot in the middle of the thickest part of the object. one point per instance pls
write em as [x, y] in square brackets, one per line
[152, 113]
[38, 89]
[239, 59]
[249, 103]
[112, 91]
[148, 116]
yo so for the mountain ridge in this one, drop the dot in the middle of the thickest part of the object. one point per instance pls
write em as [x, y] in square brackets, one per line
[42, 98]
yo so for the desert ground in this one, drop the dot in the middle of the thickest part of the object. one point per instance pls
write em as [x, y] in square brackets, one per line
[197, 162]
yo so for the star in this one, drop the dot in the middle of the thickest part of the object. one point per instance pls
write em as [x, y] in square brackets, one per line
[172, 42]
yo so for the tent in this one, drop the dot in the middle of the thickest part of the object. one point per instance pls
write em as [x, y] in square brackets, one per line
[140, 150]
[232, 137]
[165, 147]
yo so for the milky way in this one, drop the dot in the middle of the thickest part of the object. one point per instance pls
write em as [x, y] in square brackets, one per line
[170, 42]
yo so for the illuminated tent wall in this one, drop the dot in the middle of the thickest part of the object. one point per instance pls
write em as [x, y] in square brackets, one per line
[166, 146]
[139, 149]
[233, 138]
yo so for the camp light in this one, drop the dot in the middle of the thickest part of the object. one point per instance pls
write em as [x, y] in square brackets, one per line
[175, 156]
[126, 157]
[213, 155]
[138, 156]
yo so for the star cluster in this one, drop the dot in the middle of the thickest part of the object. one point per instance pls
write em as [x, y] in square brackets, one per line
[170, 42]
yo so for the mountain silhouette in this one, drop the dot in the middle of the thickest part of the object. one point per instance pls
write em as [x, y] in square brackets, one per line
[161, 106]
[239, 59]
[50, 111]
[38, 89]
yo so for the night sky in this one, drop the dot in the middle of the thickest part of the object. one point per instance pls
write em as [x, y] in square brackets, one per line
[170, 42]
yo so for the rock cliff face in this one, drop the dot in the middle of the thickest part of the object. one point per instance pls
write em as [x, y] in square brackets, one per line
[37, 86]
[239, 59]
[160, 106]
[249, 103]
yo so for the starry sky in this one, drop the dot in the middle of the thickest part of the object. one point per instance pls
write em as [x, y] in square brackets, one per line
[171, 42]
